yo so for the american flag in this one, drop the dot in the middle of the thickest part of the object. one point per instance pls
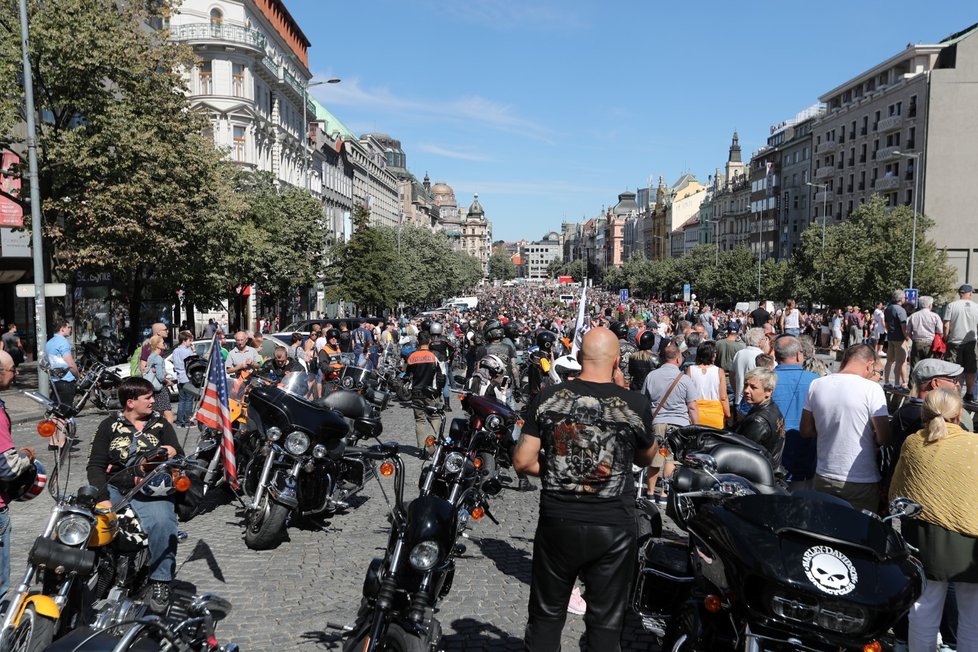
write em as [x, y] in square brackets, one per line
[214, 411]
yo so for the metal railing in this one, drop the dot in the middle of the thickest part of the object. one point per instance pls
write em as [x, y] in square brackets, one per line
[217, 32]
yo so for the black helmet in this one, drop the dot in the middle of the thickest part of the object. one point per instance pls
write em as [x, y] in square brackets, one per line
[546, 340]
[620, 329]
[545, 324]
[646, 340]
[493, 330]
[512, 330]
[426, 325]
[333, 332]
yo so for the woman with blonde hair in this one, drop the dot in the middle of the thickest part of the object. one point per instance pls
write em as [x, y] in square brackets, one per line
[156, 374]
[937, 469]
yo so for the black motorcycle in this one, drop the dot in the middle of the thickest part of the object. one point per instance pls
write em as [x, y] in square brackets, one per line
[98, 385]
[764, 569]
[298, 458]
[401, 591]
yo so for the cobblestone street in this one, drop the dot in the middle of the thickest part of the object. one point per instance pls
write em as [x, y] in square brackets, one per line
[284, 598]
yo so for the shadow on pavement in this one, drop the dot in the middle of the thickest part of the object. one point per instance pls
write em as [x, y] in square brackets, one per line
[202, 552]
[508, 559]
[470, 634]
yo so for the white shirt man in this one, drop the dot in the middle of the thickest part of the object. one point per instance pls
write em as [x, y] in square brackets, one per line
[846, 413]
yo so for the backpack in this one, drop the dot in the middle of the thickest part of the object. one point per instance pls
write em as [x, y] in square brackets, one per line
[134, 363]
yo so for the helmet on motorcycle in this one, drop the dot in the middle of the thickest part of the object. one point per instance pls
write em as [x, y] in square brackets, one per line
[161, 484]
[620, 329]
[333, 332]
[493, 330]
[435, 328]
[646, 340]
[512, 330]
[546, 340]
[493, 365]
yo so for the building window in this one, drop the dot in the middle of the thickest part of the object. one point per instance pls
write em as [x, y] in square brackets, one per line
[237, 79]
[217, 21]
[239, 144]
[208, 133]
[206, 78]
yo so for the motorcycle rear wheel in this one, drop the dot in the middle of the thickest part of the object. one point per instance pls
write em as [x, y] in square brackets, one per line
[396, 640]
[266, 525]
[34, 632]
[404, 390]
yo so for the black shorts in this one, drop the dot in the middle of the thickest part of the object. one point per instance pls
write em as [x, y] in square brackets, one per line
[964, 354]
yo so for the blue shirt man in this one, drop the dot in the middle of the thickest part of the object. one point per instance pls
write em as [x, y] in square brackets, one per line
[799, 455]
[58, 351]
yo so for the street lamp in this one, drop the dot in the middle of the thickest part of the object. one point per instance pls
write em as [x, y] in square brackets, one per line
[825, 196]
[913, 236]
[305, 124]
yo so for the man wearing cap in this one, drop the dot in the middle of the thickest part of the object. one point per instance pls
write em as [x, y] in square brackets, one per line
[727, 347]
[960, 325]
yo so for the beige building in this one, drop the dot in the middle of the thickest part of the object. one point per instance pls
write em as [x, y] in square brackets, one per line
[907, 122]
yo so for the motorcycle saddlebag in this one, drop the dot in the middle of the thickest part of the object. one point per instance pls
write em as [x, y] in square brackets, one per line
[664, 579]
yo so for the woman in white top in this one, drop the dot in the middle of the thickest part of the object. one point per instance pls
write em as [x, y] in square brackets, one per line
[710, 382]
[791, 319]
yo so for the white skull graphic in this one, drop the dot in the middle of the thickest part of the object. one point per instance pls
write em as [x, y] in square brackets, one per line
[830, 570]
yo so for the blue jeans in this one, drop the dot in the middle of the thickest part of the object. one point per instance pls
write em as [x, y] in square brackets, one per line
[158, 519]
[185, 406]
[5, 527]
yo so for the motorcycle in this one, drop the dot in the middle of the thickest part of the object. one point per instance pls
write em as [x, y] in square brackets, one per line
[149, 633]
[98, 384]
[87, 551]
[296, 456]
[492, 431]
[764, 569]
[401, 590]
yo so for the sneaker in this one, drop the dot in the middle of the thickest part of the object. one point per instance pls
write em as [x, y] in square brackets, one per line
[526, 485]
[577, 605]
[661, 499]
[159, 599]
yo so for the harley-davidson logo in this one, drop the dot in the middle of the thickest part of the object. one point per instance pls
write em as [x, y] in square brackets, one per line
[829, 570]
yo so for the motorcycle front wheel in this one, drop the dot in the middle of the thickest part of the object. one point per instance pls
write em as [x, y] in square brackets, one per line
[266, 525]
[404, 391]
[34, 632]
[396, 640]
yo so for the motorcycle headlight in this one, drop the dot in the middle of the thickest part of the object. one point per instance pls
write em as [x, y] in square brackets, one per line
[297, 442]
[319, 451]
[424, 556]
[842, 618]
[801, 609]
[494, 423]
[73, 530]
[273, 433]
[454, 462]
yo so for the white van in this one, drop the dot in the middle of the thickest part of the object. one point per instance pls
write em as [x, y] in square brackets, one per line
[471, 302]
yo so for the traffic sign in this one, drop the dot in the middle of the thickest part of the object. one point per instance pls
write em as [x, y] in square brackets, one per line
[686, 292]
[26, 290]
[623, 295]
[911, 295]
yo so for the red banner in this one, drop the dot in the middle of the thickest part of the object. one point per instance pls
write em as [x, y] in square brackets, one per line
[11, 212]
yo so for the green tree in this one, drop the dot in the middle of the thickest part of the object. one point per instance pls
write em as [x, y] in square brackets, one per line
[868, 256]
[365, 269]
[501, 267]
[126, 179]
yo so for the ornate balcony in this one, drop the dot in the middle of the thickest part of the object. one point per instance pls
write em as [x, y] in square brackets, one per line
[891, 123]
[888, 183]
[826, 146]
[825, 195]
[219, 33]
[887, 153]
[825, 172]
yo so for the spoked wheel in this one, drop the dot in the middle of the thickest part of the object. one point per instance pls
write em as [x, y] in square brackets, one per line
[34, 633]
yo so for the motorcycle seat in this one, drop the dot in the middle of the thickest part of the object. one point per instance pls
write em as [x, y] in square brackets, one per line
[350, 404]
[748, 464]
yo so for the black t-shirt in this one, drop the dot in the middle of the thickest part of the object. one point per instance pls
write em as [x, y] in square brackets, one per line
[346, 341]
[894, 317]
[111, 448]
[760, 317]
[589, 434]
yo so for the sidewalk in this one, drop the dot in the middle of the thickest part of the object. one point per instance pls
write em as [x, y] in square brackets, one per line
[20, 408]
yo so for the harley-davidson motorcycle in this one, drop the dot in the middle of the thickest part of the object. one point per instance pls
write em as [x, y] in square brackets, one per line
[401, 591]
[97, 384]
[764, 569]
[298, 456]
[87, 551]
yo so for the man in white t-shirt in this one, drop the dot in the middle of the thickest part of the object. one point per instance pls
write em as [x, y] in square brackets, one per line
[846, 413]
[745, 360]
[961, 333]
[879, 327]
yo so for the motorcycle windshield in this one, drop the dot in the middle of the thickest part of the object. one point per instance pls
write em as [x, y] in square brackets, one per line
[483, 406]
[821, 516]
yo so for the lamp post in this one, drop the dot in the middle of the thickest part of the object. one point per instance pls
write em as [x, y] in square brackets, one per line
[913, 232]
[40, 325]
[305, 123]
[825, 196]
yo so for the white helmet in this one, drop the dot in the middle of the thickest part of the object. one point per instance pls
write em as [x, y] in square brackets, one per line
[566, 364]
[493, 365]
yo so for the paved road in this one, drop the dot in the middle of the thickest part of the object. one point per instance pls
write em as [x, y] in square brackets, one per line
[284, 598]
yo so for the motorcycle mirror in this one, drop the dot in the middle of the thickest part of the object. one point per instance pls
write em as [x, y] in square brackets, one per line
[211, 603]
[206, 445]
[904, 507]
[492, 487]
[701, 461]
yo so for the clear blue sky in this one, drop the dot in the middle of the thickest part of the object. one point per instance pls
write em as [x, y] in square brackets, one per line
[549, 108]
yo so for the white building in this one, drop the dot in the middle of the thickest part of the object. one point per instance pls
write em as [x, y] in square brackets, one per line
[538, 255]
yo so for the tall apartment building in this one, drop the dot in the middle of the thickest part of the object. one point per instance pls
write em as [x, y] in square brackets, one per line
[537, 256]
[907, 122]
